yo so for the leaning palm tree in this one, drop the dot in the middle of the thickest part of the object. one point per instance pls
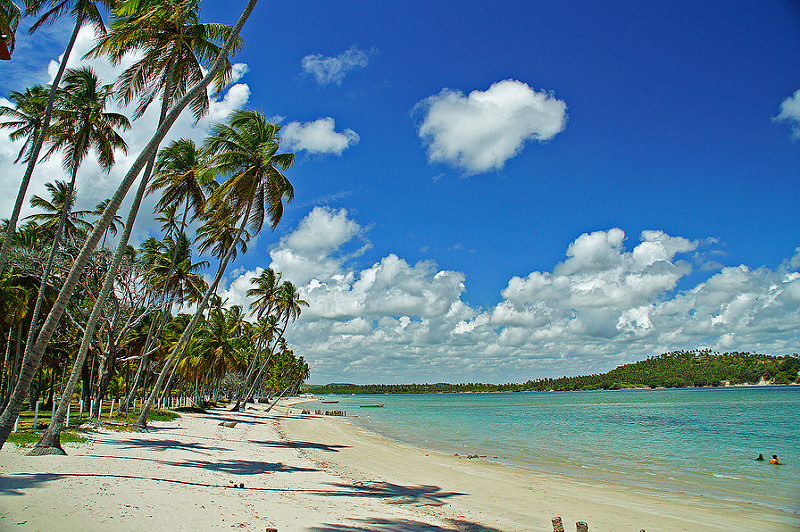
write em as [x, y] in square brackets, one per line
[288, 306]
[83, 12]
[245, 150]
[175, 46]
[81, 125]
[31, 365]
[266, 286]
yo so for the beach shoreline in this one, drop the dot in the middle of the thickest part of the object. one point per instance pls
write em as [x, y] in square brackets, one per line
[300, 472]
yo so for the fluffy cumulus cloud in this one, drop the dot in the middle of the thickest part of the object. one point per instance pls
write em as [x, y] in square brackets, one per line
[318, 136]
[605, 304]
[94, 185]
[483, 130]
[790, 112]
[328, 70]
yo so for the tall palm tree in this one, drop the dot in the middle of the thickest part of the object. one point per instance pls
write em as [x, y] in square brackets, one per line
[266, 286]
[49, 442]
[26, 117]
[82, 124]
[288, 306]
[47, 221]
[218, 232]
[83, 12]
[246, 151]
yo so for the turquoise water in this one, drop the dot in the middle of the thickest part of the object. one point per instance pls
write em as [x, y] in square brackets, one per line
[698, 440]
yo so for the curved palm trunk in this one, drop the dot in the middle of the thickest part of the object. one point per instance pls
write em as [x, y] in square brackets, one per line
[33, 155]
[37, 309]
[249, 373]
[32, 364]
[179, 348]
[50, 442]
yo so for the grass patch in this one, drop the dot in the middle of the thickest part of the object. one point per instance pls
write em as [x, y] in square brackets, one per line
[28, 438]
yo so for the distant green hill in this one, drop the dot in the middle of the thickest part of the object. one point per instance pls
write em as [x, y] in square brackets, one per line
[669, 370]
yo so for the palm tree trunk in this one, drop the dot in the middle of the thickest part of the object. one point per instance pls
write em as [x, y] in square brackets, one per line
[33, 155]
[37, 309]
[30, 366]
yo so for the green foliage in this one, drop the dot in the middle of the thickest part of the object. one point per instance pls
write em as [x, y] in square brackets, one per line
[28, 438]
[678, 369]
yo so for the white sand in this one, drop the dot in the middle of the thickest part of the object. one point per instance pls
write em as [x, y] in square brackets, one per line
[310, 473]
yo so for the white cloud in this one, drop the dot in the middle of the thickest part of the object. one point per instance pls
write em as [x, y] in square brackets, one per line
[604, 305]
[318, 136]
[333, 69]
[482, 131]
[93, 184]
[790, 112]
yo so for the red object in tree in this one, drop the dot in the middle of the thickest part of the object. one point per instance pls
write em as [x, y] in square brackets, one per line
[5, 55]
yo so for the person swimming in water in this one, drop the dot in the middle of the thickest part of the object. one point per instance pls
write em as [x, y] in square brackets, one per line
[760, 458]
[774, 460]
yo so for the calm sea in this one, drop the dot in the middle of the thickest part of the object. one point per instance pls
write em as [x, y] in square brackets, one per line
[699, 440]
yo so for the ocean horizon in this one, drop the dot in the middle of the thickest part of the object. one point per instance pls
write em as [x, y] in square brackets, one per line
[701, 441]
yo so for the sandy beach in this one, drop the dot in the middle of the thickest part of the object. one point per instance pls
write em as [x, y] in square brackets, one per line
[295, 472]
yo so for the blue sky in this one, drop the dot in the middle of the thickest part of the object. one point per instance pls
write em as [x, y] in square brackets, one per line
[538, 190]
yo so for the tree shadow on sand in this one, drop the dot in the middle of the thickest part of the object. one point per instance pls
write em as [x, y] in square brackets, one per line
[14, 484]
[402, 525]
[417, 495]
[154, 444]
[238, 467]
[300, 445]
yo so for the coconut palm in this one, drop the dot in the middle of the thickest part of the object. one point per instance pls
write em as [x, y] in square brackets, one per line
[266, 285]
[25, 118]
[246, 152]
[217, 234]
[47, 221]
[83, 12]
[172, 56]
[32, 363]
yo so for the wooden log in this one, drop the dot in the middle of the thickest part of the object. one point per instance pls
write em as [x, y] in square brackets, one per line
[557, 525]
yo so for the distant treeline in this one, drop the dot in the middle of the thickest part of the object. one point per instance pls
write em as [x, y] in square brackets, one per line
[678, 369]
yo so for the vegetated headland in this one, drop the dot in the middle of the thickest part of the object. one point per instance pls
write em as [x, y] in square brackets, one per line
[677, 369]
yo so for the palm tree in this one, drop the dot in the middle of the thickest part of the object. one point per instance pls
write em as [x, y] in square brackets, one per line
[26, 117]
[32, 363]
[218, 232]
[83, 12]
[246, 151]
[266, 286]
[288, 306]
[48, 220]
[115, 222]
[184, 178]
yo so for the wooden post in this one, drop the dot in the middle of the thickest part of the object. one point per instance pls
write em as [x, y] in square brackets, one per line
[16, 425]
[36, 416]
[67, 422]
[80, 410]
[582, 526]
[100, 410]
[111, 414]
[557, 525]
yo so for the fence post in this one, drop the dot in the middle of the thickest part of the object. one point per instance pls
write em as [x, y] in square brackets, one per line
[557, 525]
[36, 416]
[67, 422]
[582, 526]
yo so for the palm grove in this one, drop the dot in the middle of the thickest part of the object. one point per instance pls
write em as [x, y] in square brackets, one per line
[82, 319]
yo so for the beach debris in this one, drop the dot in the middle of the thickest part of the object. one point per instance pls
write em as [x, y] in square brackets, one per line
[229, 424]
[581, 526]
[557, 525]
[241, 485]
[271, 529]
